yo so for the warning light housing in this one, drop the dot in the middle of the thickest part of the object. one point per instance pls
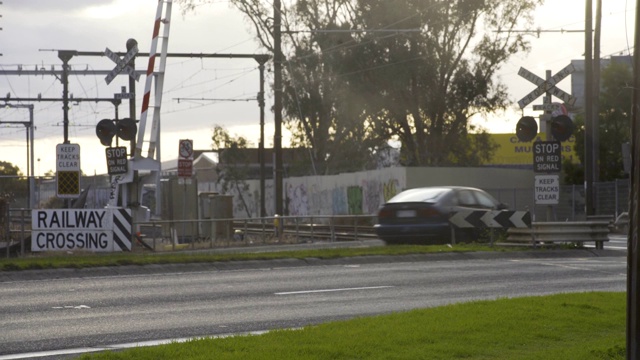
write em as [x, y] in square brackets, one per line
[561, 127]
[105, 130]
[526, 129]
[127, 129]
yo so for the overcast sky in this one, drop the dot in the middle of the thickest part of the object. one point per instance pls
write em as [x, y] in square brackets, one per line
[33, 31]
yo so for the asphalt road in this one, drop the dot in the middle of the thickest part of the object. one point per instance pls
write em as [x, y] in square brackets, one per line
[92, 309]
[617, 242]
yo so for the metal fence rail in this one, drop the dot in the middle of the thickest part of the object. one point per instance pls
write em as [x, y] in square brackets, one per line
[214, 233]
[611, 199]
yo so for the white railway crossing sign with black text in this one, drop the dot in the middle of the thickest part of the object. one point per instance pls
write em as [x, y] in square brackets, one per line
[545, 86]
[96, 230]
[121, 64]
[547, 189]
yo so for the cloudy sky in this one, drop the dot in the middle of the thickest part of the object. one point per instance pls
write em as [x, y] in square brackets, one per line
[200, 93]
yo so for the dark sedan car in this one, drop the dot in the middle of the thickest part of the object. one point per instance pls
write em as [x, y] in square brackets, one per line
[421, 215]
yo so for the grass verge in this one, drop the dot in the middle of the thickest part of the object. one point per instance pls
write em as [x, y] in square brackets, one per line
[86, 260]
[566, 326]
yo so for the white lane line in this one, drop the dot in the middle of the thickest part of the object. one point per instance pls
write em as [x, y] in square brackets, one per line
[331, 290]
[86, 350]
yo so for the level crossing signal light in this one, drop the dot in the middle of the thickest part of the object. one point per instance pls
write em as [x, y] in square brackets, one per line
[561, 128]
[125, 129]
[526, 129]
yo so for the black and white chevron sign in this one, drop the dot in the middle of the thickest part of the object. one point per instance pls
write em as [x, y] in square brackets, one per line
[491, 219]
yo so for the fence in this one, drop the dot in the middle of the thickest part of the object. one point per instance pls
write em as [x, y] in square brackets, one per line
[610, 199]
[220, 233]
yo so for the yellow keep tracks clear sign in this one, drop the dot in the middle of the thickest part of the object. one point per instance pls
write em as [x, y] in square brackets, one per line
[512, 151]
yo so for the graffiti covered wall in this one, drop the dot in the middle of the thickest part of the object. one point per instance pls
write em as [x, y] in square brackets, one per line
[362, 193]
[342, 194]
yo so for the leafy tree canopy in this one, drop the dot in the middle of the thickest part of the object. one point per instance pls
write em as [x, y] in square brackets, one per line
[7, 168]
[233, 163]
[614, 129]
[361, 73]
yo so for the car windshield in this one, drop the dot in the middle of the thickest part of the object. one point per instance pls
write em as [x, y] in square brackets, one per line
[421, 194]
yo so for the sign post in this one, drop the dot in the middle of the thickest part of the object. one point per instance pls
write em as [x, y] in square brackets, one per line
[185, 171]
[185, 159]
[547, 157]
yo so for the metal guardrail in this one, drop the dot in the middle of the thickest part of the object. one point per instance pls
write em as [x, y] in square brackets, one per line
[171, 235]
[546, 233]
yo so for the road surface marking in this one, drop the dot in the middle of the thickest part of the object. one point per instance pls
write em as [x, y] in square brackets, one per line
[331, 290]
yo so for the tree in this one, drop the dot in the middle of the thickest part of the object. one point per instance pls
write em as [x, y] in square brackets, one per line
[233, 163]
[7, 168]
[614, 128]
[424, 86]
[347, 93]
[11, 182]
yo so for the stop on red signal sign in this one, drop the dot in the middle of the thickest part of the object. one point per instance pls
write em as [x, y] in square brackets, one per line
[547, 157]
[117, 160]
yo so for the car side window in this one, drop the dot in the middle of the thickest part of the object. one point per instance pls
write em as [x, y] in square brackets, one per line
[485, 201]
[466, 198]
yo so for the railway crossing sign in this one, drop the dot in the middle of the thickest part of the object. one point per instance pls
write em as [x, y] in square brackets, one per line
[96, 230]
[121, 64]
[546, 86]
[123, 94]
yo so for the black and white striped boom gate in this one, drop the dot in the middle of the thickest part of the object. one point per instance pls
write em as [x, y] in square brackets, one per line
[491, 219]
[98, 230]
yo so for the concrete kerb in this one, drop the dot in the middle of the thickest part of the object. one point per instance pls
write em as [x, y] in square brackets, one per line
[132, 270]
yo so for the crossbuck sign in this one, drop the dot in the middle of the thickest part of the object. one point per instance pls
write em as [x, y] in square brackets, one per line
[546, 86]
[121, 65]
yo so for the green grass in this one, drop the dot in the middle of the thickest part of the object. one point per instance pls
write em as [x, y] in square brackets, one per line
[567, 326]
[86, 260]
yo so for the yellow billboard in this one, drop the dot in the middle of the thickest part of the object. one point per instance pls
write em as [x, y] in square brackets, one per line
[512, 151]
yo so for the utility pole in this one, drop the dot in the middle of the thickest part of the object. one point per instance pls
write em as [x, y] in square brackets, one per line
[261, 61]
[588, 110]
[595, 128]
[633, 261]
[30, 148]
[65, 56]
[277, 106]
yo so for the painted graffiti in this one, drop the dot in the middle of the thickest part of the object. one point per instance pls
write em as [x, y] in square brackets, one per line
[354, 198]
[297, 200]
[390, 189]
